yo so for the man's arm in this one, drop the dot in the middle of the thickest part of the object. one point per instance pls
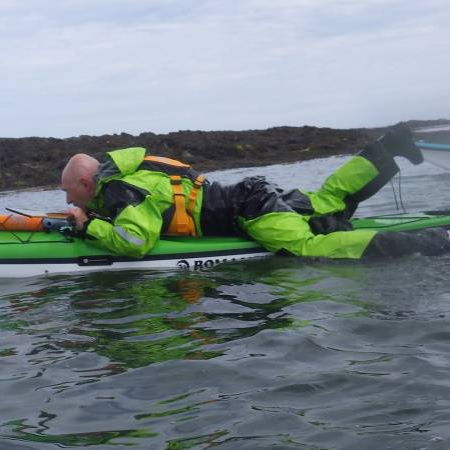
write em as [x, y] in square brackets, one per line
[132, 233]
[135, 223]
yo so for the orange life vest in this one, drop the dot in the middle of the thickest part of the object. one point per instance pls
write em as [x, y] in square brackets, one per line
[181, 222]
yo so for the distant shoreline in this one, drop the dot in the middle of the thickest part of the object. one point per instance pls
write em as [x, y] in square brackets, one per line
[35, 162]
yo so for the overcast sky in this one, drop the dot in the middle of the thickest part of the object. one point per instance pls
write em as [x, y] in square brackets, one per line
[71, 67]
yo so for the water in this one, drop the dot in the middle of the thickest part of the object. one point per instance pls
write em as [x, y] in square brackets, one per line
[274, 353]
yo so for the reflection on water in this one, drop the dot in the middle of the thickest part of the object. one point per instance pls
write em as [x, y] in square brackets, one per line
[277, 353]
[82, 329]
[136, 319]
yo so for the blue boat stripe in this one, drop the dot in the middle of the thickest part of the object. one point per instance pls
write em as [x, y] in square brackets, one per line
[431, 146]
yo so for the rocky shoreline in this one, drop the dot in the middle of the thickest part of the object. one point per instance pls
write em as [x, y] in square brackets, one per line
[37, 162]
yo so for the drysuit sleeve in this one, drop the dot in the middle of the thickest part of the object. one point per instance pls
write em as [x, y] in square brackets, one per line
[135, 224]
[133, 232]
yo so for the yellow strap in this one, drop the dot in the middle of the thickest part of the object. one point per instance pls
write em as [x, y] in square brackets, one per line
[194, 192]
[164, 160]
[181, 222]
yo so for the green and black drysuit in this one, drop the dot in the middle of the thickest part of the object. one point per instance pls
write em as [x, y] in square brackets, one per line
[134, 199]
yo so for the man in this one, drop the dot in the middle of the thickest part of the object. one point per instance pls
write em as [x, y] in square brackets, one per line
[125, 203]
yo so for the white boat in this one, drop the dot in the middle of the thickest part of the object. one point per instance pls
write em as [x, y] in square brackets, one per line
[436, 154]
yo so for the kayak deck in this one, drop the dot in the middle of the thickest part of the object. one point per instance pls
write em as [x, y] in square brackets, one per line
[404, 222]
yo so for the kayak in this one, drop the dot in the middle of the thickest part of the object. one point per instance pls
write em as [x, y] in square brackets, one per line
[26, 254]
[437, 154]
[33, 253]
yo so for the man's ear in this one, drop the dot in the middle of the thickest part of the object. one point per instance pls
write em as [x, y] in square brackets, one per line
[88, 183]
[85, 182]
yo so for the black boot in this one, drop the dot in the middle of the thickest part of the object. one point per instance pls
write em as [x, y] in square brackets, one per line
[398, 141]
[429, 242]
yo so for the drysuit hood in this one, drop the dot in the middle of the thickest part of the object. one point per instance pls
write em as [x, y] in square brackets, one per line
[119, 163]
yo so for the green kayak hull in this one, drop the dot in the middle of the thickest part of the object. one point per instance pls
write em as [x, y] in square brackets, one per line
[24, 254]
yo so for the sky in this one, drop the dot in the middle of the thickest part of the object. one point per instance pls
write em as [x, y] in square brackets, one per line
[74, 67]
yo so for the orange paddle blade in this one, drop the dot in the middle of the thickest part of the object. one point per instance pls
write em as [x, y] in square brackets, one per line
[16, 222]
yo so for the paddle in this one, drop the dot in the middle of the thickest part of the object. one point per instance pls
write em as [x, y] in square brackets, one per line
[28, 220]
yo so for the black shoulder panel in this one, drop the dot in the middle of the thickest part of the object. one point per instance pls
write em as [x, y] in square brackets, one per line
[118, 195]
[169, 169]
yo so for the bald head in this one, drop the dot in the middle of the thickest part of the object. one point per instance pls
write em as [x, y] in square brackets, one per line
[77, 179]
[78, 166]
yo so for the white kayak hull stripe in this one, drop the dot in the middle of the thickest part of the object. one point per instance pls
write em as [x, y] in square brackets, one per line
[20, 269]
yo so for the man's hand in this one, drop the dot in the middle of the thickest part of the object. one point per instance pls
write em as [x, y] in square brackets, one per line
[79, 216]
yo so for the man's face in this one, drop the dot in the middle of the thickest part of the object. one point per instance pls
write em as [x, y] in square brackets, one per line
[78, 192]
